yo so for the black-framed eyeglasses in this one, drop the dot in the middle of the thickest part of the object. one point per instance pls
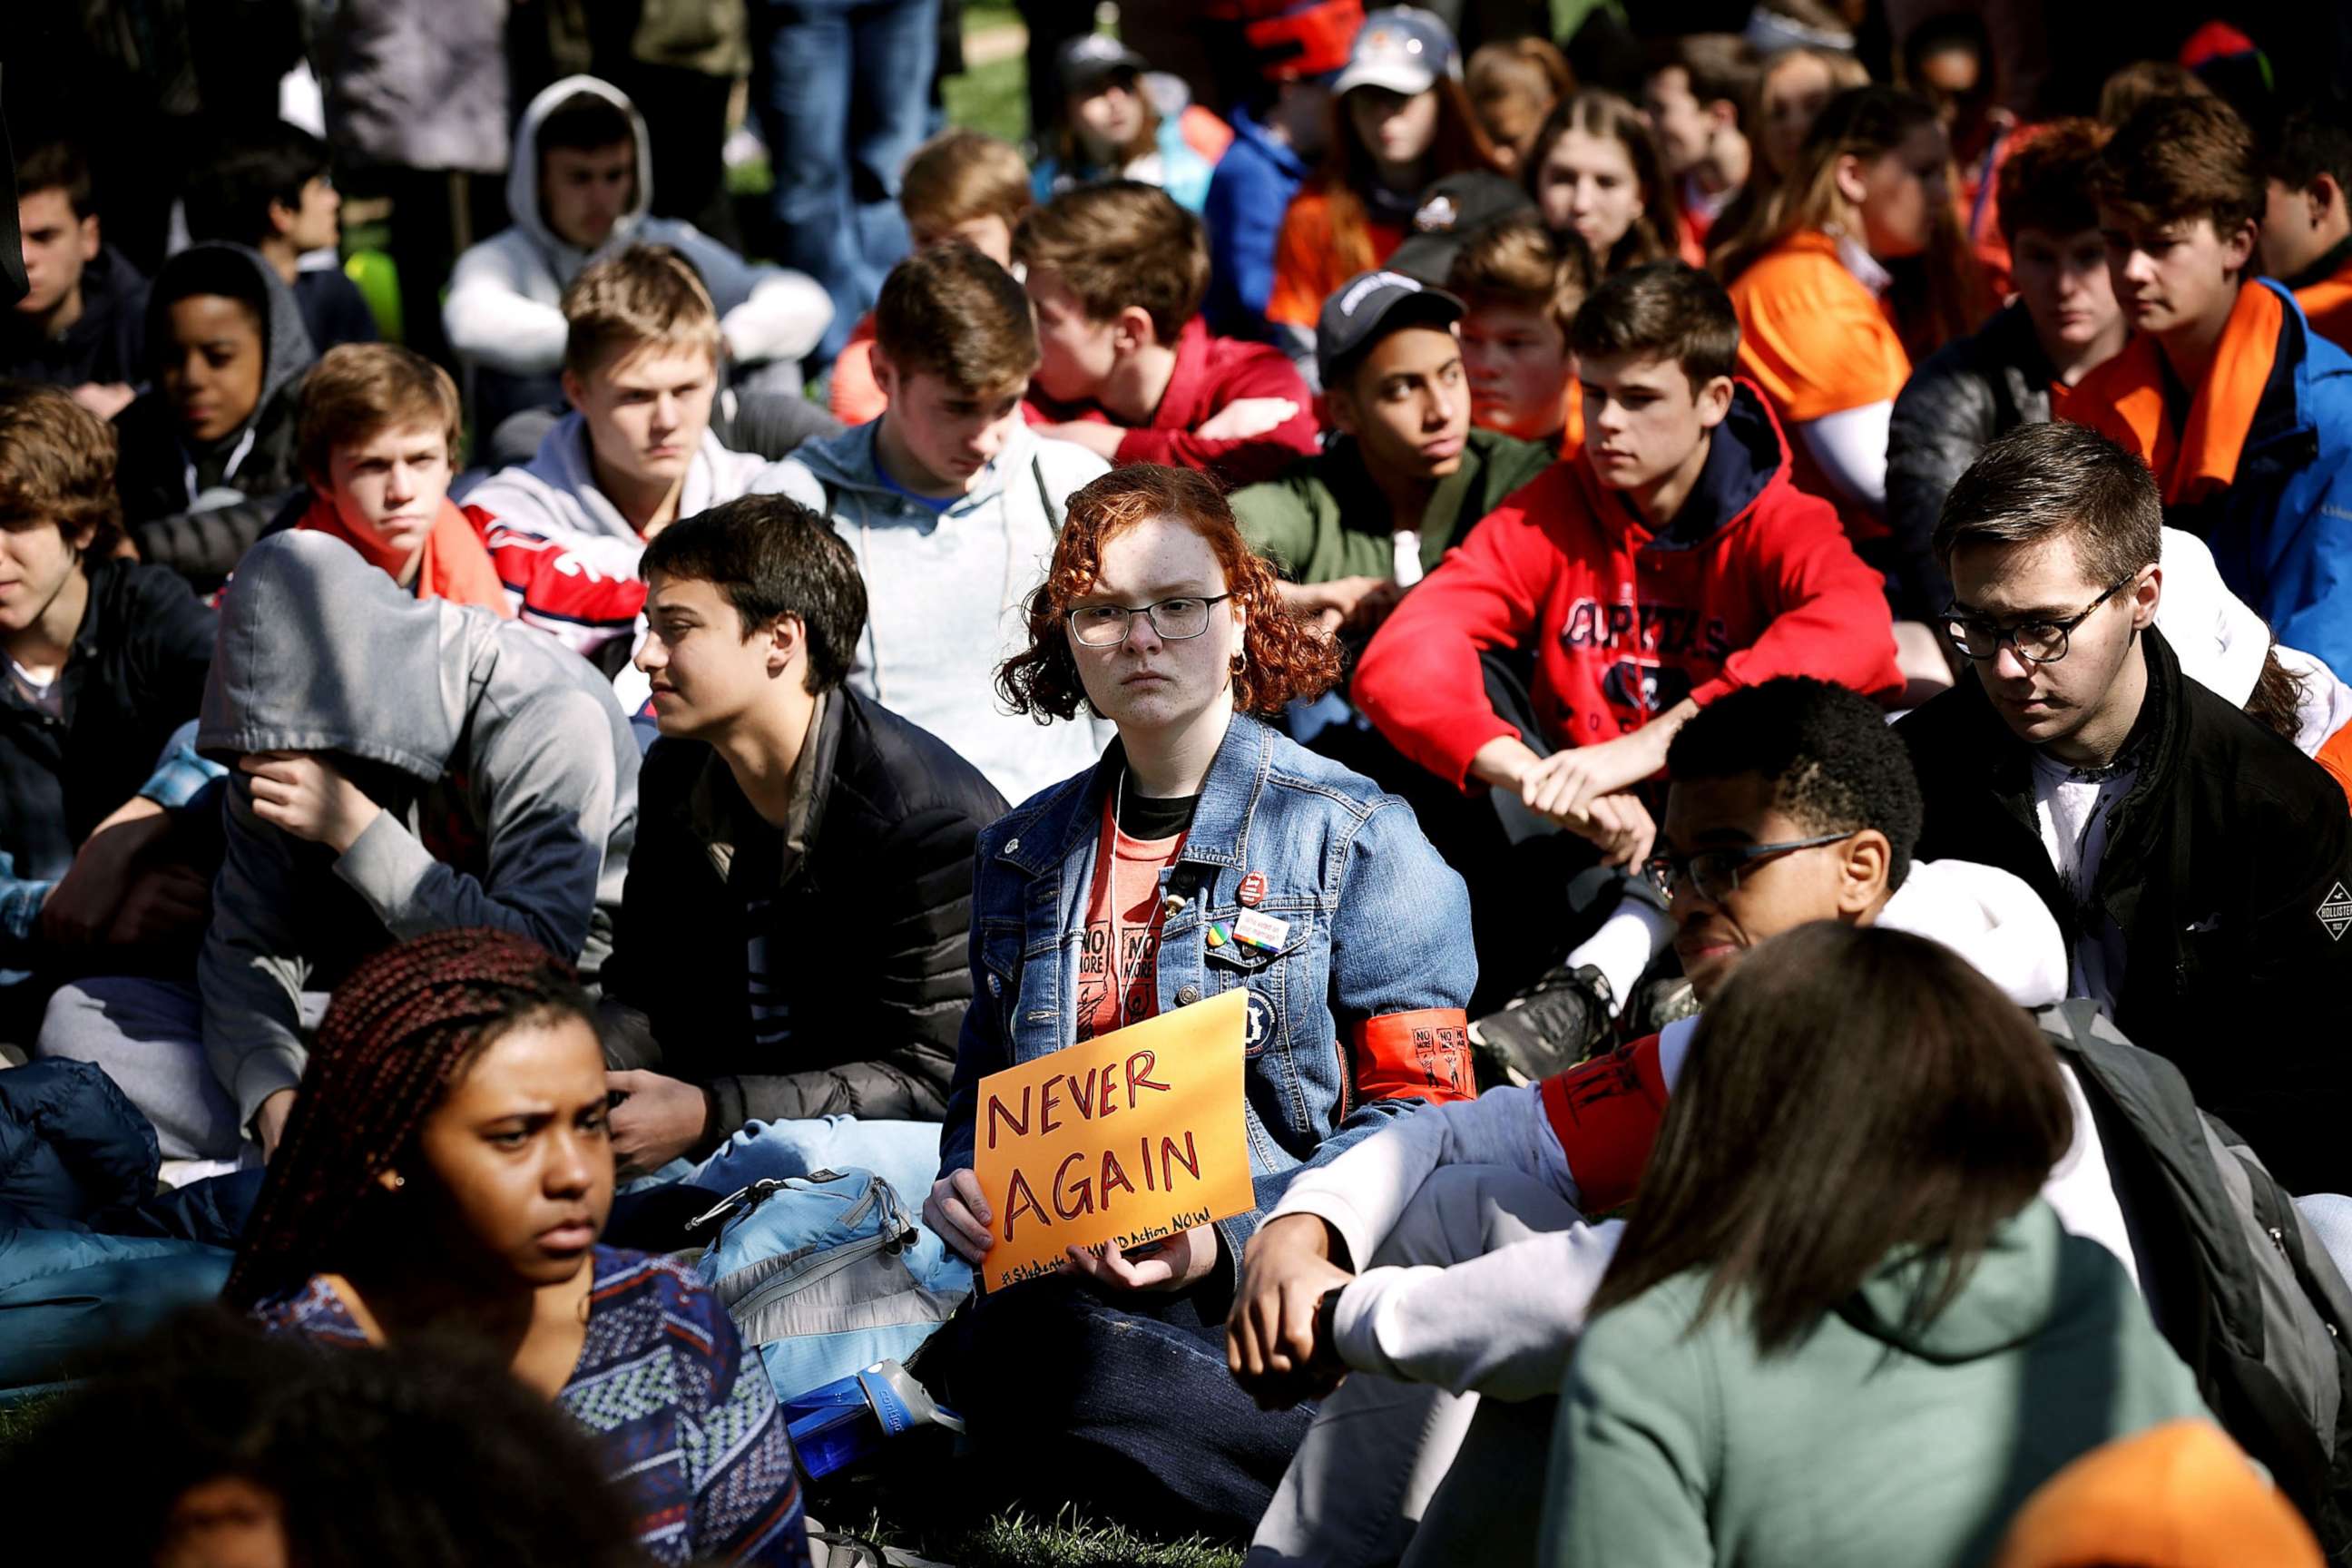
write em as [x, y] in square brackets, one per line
[2036, 642]
[1715, 873]
[1107, 626]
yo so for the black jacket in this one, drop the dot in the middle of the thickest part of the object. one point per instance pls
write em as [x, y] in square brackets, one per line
[1963, 397]
[107, 341]
[136, 674]
[2228, 871]
[868, 973]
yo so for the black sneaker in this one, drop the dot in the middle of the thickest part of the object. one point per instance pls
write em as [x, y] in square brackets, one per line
[1548, 1027]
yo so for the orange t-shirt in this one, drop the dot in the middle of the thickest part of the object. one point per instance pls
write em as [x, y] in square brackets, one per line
[1119, 971]
[2328, 304]
[857, 395]
[1307, 266]
[2334, 754]
[1813, 336]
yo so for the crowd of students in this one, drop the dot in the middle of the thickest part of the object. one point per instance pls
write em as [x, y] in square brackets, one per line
[1771, 644]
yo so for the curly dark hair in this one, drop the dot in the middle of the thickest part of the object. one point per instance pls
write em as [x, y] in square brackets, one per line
[428, 1455]
[1284, 656]
[1833, 761]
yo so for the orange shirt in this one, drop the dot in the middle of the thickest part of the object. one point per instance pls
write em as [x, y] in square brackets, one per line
[1118, 969]
[1813, 336]
[2334, 754]
[857, 397]
[2328, 304]
[1307, 266]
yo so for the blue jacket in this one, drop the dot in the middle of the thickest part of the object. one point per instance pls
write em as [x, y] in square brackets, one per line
[1380, 927]
[2282, 532]
[1248, 194]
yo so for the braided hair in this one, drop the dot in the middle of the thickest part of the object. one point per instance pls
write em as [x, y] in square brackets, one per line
[400, 1028]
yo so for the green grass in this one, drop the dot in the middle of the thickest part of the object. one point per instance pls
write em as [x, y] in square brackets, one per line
[993, 98]
[17, 1420]
[1069, 1539]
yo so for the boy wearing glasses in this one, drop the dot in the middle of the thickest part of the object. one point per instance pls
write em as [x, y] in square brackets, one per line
[2199, 866]
[950, 504]
[1446, 1262]
[778, 804]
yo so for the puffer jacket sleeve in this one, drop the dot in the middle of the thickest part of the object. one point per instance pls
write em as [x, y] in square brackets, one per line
[1944, 416]
[206, 546]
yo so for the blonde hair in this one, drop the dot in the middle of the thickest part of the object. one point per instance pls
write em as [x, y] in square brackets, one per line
[648, 296]
[959, 176]
[358, 389]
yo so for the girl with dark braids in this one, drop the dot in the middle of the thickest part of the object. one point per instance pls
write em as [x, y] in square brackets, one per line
[448, 1168]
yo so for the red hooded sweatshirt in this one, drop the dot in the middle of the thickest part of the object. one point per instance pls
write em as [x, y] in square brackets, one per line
[1752, 579]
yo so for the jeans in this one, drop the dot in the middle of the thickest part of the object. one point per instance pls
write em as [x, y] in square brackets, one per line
[1123, 1407]
[1405, 1472]
[842, 89]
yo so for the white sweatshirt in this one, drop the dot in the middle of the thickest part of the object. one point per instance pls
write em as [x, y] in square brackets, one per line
[1506, 1324]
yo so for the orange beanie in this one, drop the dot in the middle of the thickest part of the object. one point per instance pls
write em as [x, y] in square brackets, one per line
[2181, 1495]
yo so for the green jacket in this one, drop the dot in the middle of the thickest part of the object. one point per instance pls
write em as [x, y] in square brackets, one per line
[1870, 1443]
[1323, 518]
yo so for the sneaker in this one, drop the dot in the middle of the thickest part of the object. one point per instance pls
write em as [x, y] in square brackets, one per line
[1548, 1027]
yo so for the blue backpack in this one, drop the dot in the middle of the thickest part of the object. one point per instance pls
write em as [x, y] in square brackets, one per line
[827, 1274]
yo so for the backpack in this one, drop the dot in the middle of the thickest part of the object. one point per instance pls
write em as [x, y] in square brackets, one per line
[2256, 1309]
[826, 1274]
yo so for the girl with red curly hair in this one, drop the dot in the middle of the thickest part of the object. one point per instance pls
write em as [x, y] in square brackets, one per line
[1204, 853]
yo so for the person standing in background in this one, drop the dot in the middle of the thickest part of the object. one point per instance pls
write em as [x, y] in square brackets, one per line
[841, 89]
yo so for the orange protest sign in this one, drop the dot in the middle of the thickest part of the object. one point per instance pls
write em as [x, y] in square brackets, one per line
[1129, 1137]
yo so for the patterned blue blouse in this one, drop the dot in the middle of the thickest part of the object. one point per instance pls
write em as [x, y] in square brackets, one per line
[686, 1422]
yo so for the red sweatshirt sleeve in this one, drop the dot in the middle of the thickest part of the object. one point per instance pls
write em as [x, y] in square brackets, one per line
[582, 597]
[1255, 371]
[1419, 680]
[1829, 618]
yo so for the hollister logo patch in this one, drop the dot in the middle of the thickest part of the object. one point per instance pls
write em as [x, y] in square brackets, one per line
[2337, 912]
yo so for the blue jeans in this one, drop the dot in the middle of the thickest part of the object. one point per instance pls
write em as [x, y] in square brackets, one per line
[1124, 1408]
[843, 88]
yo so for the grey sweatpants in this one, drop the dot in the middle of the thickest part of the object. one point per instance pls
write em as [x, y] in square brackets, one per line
[148, 1036]
[1402, 1473]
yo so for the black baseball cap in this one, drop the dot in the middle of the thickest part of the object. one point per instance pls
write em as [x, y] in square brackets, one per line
[1453, 212]
[1091, 59]
[1368, 307]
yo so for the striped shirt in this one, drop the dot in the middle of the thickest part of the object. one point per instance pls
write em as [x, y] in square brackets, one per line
[687, 1423]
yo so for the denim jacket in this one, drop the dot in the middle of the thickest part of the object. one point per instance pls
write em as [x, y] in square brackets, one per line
[1356, 1019]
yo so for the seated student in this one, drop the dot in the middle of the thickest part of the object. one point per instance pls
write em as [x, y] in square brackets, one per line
[377, 439]
[1513, 85]
[1129, 369]
[1106, 1378]
[106, 658]
[1110, 129]
[1406, 474]
[779, 803]
[1596, 172]
[1792, 803]
[1520, 291]
[2306, 229]
[447, 1173]
[2245, 413]
[641, 370]
[1821, 330]
[577, 187]
[400, 766]
[274, 189]
[1280, 109]
[209, 451]
[1693, 94]
[81, 321]
[1757, 1331]
[960, 185]
[2189, 854]
[1667, 562]
[2065, 325]
[952, 503]
[1949, 59]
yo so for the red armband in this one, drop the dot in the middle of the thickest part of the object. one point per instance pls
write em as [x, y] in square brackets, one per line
[1606, 1114]
[1414, 1055]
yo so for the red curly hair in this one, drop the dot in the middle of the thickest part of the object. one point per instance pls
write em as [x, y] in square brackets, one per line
[1283, 657]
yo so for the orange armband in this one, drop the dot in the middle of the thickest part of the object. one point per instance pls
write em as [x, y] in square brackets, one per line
[1423, 1055]
[1606, 1113]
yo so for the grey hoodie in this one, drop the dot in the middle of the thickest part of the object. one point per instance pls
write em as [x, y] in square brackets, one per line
[502, 306]
[946, 594]
[476, 734]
